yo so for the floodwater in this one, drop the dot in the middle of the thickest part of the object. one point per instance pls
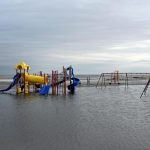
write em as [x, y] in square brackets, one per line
[112, 118]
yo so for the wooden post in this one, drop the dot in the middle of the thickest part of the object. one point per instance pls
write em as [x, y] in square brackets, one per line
[54, 82]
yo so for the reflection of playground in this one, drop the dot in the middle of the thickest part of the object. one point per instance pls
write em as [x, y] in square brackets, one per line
[27, 83]
[117, 78]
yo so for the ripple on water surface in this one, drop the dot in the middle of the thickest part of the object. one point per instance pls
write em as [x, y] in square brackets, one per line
[92, 119]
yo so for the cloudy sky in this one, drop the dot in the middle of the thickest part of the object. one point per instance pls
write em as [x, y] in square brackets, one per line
[94, 36]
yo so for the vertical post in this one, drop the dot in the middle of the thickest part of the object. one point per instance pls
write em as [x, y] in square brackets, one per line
[64, 71]
[111, 78]
[44, 79]
[104, 82]
[57, 81]
[34, 86]
[117, 76]
[28, 86]
[52, 83]
[40, 73]
[70, 74]
[126, 83]
[114, 77]
[16, 85]
[24, 82]
[127, 79]
[87, 80]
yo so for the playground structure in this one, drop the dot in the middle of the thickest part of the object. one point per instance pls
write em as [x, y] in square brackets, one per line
[42, 83]
[117, 78]
[111, 78]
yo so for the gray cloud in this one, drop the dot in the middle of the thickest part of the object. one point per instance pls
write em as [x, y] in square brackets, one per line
[103, 34]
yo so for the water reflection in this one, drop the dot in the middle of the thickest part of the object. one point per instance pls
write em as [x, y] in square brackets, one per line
[111, 118]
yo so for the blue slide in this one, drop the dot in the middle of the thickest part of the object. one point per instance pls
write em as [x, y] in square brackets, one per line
[45, 89]
[76, 82]
[15, 81]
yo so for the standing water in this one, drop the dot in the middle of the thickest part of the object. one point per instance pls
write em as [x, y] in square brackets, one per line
[112, 118]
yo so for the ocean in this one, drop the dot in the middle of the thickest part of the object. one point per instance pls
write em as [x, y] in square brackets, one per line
[111, 118]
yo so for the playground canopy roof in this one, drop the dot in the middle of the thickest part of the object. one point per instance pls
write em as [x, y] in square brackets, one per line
[22, 66]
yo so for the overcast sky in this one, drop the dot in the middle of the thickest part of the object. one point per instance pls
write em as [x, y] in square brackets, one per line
[94, 36]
